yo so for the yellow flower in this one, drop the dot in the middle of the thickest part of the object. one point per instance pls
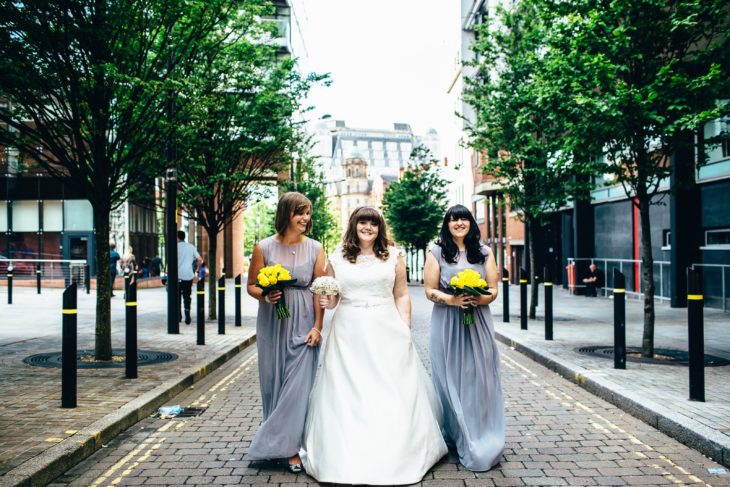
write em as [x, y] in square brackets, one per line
[263, 280]
[273, 280]
[482, 283]
[284, 275]
[454, 281]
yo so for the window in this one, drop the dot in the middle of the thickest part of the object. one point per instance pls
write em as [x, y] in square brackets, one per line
[3, 216]
[25, 216]
[666, 239]
[52, 216]
[78, 215]
[479, 210]
[718, 237]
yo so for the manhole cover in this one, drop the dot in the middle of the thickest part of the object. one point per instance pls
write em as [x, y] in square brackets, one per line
[665, 356]
[84, 359]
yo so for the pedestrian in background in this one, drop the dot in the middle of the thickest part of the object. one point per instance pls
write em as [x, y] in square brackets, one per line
[593, 280]
[464, 358]
[287, 347]
[114, 258]
[186, 256]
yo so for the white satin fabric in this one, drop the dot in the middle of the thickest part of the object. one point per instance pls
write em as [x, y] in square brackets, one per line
[373, 415]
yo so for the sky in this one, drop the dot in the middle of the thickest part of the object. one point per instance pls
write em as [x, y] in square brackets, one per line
[390, 60]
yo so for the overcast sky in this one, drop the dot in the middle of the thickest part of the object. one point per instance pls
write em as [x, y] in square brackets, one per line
[390, 60]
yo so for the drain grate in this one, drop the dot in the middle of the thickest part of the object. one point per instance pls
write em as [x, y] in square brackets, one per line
[665, 356]
[54, 359]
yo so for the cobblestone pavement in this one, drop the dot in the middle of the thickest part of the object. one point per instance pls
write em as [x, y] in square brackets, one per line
[31, 419]
[557, 434]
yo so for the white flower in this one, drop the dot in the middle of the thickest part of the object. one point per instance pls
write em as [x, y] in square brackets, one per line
[325, 286]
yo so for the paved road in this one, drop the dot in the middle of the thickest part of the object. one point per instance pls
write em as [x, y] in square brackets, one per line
[557, 434]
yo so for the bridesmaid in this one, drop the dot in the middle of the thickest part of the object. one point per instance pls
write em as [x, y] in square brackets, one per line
[288, 349]
[464, 358]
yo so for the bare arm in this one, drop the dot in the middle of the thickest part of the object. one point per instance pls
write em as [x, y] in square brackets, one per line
[400, 292]
[329, 302]
[257, 263]
[431, 276]
[314, 336]
[492, 278]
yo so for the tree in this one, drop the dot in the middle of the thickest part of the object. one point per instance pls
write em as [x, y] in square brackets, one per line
[238, 133]
[88, 84]
[414, 205]
[516, 129]
[645, 77]
[259, 222]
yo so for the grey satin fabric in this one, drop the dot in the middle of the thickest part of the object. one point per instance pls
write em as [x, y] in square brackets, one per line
[286, 364]
[466, 375]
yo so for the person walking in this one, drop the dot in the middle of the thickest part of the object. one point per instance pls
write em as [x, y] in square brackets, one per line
[464, 358]
[187, 254]
[287, 347]
[114, 258]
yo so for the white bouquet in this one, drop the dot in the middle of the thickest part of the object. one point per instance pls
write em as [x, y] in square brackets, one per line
[325, 286]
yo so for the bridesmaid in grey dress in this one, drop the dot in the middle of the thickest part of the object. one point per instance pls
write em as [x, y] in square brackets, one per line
[288, 349]
[464, 358]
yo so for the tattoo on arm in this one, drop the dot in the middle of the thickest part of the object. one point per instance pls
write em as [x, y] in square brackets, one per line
[434, 297]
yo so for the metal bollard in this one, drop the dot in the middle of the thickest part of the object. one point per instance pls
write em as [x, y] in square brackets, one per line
[200, 312]
[69, 348]
[10, 284]
[548, 285]
[523, 299]
[505, 296]
[130, 356]
[696, 342]
[126, 283]
[87, 278]
[619, 320]
[222, 305]
[38, 278]
[237, 293]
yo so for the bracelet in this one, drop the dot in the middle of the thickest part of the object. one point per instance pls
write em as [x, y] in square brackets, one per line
[266, 298]
[315, 329]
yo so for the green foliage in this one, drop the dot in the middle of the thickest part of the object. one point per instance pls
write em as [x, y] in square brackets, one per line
[414, 205]
[259, 224]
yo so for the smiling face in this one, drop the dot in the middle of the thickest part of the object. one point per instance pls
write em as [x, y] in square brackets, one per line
[367, 231]
[299, 222]
[459, 228]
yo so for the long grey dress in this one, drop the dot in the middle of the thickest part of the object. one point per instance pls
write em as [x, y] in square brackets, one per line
[286, 364]
[465, 372]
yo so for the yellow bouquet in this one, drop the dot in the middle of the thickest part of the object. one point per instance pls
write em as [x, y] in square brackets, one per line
[470, 282]
[275, 278]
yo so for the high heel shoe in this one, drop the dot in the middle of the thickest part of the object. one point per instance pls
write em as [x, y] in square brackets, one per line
[295, 467]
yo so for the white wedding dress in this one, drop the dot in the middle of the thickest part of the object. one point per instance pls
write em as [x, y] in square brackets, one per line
[373, 414]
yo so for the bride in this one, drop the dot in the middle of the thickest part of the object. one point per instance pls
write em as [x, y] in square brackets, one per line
[373, 415]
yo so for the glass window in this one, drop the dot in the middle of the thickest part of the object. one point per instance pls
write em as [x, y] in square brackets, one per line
[78, 216]
[25, 216]
[717, 237]
[479, 207]
[52, 216]
[3, 216]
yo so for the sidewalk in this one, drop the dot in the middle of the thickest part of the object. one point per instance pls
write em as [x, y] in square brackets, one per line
[656, 394]
[38, 439]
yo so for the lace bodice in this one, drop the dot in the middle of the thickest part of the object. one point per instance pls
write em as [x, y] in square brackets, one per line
[368, 279]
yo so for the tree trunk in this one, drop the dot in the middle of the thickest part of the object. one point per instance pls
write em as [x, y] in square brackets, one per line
[533, 269]
[103, 342]
[647, 275]
[212, 262]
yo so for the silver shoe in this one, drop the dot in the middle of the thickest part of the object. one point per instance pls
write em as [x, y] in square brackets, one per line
[295, 467]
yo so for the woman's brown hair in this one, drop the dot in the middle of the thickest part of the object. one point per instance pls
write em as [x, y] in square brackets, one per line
[291, 203]
[350, 242]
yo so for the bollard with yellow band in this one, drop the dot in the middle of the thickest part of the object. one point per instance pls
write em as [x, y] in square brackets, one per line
[69, 316]
[10, 284]
[523, 299]
[200, 312]
[505, 295]
[696, 335]
[38, 278]
[130, 355]
[237, 293]
[222, 305]
[548, 303]
[619, 320]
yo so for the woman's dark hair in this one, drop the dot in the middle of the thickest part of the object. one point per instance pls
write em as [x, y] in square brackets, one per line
[350, 242]
[472, 241]
[291, 203]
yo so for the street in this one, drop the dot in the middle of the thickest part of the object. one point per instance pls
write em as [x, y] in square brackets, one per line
[557, 434]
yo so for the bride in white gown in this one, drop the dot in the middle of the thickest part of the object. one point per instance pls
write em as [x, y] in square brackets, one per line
[373, 415]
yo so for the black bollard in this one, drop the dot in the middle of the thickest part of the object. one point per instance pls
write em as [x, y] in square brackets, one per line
[696, 345]
[523, 299]
[87, 278]
[38, 278]
[619, 320]
[10, 284]
[548, 304]
[237, 293]
[505, 296]
[126, 283]
[68, 348]
[131, 331]
[222, 305]
[200, 312]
